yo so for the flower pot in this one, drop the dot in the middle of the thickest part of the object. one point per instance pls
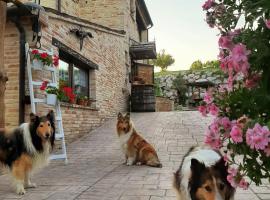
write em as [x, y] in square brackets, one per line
[51, 99]
[37, 64]
[80, 102]
[89, 102]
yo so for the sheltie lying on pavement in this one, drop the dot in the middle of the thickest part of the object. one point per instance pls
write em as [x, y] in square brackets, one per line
[136, 149]
[27, 148]
[203, 176]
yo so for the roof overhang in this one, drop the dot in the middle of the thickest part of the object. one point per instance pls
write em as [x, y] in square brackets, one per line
[141, 51]
[76, 58]
[144, 14]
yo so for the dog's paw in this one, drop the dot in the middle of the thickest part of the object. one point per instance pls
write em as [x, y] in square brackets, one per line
[129, 163]
[20, 191]
[31, 185]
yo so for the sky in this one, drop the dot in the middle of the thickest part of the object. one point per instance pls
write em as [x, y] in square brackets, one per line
[180, 29]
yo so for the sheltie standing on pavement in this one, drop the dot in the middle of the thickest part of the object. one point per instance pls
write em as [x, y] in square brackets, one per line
[27, 148]
[136, 149]
[203, 176]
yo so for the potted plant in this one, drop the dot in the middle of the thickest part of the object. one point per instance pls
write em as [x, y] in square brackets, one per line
[82, 100]
[52, 93]
[64, 94]
[68, 95]
[40, 59]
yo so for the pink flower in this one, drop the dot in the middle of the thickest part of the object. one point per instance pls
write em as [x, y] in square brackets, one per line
[240, 53]
[252, 81]
[231, 180]
[258, 137]
[208, 98]
[207, 5]
[225, 42]
[214, 127]
[226, 123]
[202, 110]
[267, 151]
[267, 23]
[234, 33]
[232, 172]
[212, 139]
[213, 109]
[230, 82]
[236, 134]
[243, 184]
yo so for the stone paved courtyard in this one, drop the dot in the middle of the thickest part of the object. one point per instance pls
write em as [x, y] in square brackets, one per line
[96, 172]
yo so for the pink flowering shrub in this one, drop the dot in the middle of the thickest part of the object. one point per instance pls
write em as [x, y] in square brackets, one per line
[241, 108]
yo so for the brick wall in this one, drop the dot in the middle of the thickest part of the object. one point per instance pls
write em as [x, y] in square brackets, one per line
[107, 50]
[164, 104]
[146, 73]
[11, 57]
[106, 12]
[108, 84]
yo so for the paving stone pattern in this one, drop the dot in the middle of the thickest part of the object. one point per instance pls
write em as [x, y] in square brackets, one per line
[96, 172]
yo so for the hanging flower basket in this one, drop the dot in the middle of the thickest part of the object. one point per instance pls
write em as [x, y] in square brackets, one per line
[41, 59]
[51, 99]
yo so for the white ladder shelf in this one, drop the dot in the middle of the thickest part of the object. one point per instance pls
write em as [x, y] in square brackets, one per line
[34, 101]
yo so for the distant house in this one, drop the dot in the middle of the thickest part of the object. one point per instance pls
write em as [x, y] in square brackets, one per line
[99, 67]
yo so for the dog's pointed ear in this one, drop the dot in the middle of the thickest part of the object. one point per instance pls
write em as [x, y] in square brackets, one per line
[196, 166]
[221, 164]
[127, 116]
[221, 167]
[50, 116]
[119, 116]
[33, 118]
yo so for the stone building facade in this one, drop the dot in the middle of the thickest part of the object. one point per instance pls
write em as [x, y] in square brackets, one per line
[103, 62]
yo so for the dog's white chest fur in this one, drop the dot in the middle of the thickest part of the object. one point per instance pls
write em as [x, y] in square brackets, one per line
[123, 139]
[40, 159]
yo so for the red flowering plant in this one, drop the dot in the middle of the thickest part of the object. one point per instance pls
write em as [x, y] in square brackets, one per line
[69, 95]
[45, 58]
[242, 107]
[64, 94]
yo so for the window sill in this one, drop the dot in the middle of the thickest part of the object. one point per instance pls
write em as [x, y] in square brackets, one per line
[69, 105]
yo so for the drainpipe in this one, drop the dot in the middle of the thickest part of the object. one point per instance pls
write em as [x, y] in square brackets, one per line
[21, 30]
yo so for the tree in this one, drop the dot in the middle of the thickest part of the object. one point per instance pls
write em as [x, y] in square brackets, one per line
[213, 64]
[3, 76]
[196, 65]
[163, 60]
[179, 84]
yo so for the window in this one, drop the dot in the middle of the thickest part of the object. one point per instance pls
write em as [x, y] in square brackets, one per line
[73, 76]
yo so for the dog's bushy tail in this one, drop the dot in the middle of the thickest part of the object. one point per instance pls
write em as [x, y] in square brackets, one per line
[154, 162]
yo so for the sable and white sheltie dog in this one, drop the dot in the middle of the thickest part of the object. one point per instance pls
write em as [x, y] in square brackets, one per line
[203, 176]
[136, 149]
[27, 148]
